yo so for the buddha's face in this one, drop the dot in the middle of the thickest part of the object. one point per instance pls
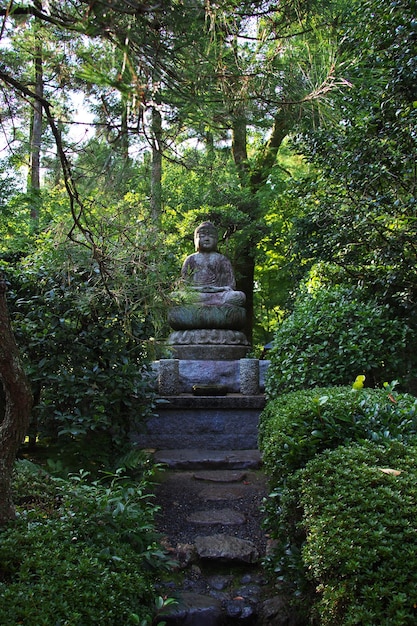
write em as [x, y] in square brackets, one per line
[205, 240]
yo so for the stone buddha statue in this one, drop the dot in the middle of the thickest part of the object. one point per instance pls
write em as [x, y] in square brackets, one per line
[207, 308]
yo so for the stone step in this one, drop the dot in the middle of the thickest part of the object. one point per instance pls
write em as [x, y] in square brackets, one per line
[202, 459]
[213, 517]
[226, 548]
[221, 476]
[223, 491]
[220, 560]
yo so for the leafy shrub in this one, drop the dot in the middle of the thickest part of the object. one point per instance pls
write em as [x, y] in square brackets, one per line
[79, 553]
[299, 426]
[360, 549]
[331, 333]
[86, 355]
[296, 426]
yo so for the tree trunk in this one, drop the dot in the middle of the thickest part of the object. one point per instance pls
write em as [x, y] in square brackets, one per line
[18, 404]
[245, 265]
[34, 181]
[267, 157]
[156, 175]
[245, 271]
[239, 148]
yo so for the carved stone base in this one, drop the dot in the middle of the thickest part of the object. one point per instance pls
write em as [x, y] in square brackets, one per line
[208, 344]
[209, 316]
[209, 353]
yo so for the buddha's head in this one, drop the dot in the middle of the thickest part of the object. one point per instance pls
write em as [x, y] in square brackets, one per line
[205, 237]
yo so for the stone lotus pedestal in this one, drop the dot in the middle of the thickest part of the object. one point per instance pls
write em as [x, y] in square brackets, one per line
[208, 344]
[208, 332]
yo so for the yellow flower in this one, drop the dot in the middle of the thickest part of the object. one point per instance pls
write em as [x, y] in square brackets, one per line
[358, 384]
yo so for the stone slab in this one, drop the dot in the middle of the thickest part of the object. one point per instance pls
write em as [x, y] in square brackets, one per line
[225, 517]
[189, 401]
[193, 459]
[192, 609]
[226, 548]
[221, 476]
[218, 492]
[209, 353]
[199, 371]
[211, 428]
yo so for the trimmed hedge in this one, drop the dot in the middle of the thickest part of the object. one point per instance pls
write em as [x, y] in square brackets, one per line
[333, 333]
[359, 519]
[306, 438]
[296, 426]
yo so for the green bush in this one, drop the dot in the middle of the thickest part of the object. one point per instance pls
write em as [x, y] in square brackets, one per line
[79, 553]
[332, 333]
[299, 426]
[296, 426]
[86, 355]
[359, 520]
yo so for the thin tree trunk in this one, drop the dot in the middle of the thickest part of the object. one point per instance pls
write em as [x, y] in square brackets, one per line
[239, 148]
[18, 404]
[156, 174]
[245, 265]
[124, 133]
[34, 181]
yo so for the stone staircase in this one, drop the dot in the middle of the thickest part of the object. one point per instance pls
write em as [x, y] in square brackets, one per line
[211, 524]
[211, 492]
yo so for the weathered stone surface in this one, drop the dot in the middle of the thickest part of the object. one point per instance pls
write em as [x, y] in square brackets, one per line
[223, 492]
[192, 458]
[209, 352]
[169, 377]
[240, 612]
[221, 476]
[219, 582]
[226, 548]
[202, 370]
[192, 609]
[276, 611]
[210, 403]
[204, 317]
[211, 429]
[249, 377]
[225, 517]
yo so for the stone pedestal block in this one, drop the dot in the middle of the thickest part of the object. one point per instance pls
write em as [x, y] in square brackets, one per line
[210, 423]
[169, 377]
[249, 377]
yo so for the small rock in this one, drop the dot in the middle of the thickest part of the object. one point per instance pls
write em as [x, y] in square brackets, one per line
[219, 582]
[192, 609]
[276, 612]
[246, 579]
[226, 548]
[185, 554]
[240, 612]
[249, 591]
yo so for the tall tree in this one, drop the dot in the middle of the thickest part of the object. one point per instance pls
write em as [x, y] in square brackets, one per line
[16, 410]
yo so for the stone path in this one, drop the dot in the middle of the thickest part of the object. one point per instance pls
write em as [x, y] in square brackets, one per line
[211, 523]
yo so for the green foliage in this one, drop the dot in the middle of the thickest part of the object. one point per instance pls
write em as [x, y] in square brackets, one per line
[79, 552]
[360, 547]
[297, 428]
[331, 335]
[85, 332]
[300, 424]
[359, 209]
